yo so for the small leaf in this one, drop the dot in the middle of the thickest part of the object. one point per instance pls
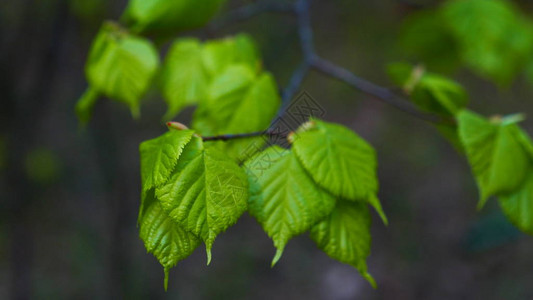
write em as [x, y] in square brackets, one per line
[428, 91]
[160, 155]
[163, 237]
[438, 94]
[184, 80]
[498, 160]
[284, 199]
[206, 193]
[345, 235]
[121, 66]
[518, 205]
[339, 161]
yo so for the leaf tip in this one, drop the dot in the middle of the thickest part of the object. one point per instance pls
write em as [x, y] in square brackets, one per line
[370, 280]
[208, 251]
[276, 258]
[166, 279]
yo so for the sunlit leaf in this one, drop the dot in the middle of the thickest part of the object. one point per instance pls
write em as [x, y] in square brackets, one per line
[518, 206]
[184, 80]
[429, 91]
[206, 193]
[121, 66]
[159, 156]
[238, 102]
[284, 199]
[163, 237]
[345, 235]
[339, 161]
[498, 160]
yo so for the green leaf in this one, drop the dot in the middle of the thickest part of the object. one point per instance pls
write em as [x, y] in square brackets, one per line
[121, 66]
[238, 102]
[345, 236]
[524, 140]
[498, 160]
[494, 39]
[284, 199]
[339, 161]
[518, 206]
[85, 105]
[440, 95]
[163, 237]
[166, 17]
[184, 80]
[159, 156]
[206, 193]
[428, 91]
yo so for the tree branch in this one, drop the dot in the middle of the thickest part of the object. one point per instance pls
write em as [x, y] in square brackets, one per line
[383, 94]
[311, 60]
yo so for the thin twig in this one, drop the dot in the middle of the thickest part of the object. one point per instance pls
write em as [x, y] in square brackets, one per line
[385, 95]
[226, 137]
[312, 61]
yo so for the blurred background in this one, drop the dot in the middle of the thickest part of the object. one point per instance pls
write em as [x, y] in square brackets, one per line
[70, 196]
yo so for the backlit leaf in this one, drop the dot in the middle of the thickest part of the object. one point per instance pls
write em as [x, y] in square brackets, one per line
[345, 235]
[206, 193]
[429, 91]
[184, 80]
[160, 155]
[121, 66]
[498, 160]
[238, 102]
[163, 237]
[284, 199]
[518, 206]
[338, 160]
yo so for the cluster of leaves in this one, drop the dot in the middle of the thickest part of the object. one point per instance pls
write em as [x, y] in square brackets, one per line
[491, 37]
[224, 78]
[192, 191]
[122, 64]
[499, 151]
